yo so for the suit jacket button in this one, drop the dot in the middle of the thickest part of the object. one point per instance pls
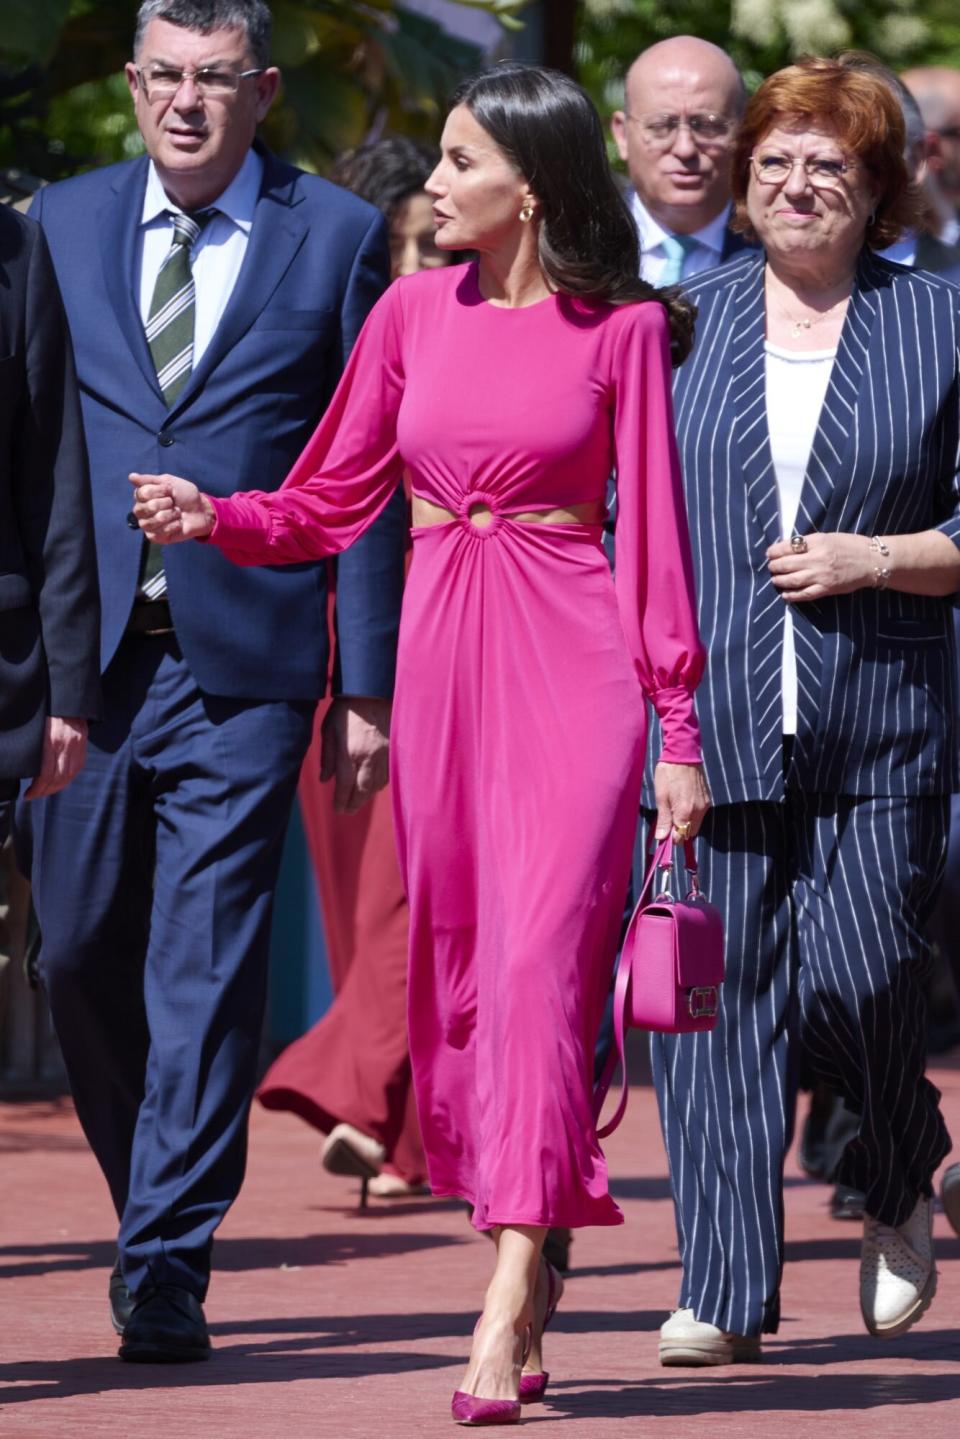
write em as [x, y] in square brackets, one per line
[165, 438]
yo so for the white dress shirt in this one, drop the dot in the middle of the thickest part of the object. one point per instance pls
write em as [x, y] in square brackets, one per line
[796, 386]
[653, 259]
[217, 255]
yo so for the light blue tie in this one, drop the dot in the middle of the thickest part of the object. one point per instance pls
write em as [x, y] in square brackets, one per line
[676, 248]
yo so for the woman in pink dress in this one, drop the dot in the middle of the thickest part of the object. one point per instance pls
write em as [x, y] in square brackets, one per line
[510, 388]
[350, 1075]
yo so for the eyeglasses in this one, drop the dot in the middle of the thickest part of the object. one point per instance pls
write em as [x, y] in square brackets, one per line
[161, 82]
[823, 174]
[660, 130]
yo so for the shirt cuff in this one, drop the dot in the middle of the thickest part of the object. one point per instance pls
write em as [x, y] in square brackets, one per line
[232, 534]
[678, 722]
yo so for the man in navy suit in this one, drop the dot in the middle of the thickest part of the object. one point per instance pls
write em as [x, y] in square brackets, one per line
[684, 99]
[214, 294]
[49, 609]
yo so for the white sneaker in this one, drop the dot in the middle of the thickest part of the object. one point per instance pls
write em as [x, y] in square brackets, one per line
[950, 1196]
[685, 1340]
[898, 1277]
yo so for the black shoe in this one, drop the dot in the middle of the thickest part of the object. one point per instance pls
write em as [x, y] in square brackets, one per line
[556, 1249]
[847, 1203]
[166, 1327]
[121, 1303]
[811, 1150]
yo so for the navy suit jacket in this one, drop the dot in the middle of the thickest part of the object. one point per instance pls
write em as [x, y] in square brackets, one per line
[733, 244]
[316, 261]
[49, 610]
[876, 680]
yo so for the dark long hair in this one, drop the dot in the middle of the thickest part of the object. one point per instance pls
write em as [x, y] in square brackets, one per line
[386, 172]
[549, 129]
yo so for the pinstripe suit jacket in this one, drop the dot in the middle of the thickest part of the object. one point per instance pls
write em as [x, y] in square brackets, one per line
[876, 669]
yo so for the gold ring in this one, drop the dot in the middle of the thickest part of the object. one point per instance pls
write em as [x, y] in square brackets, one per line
[682, 831]
[799, 545]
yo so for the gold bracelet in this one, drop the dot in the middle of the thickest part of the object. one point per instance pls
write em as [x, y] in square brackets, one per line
[882, 574]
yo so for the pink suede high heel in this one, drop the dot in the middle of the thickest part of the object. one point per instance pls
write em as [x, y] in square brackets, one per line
[534, 1386]
[469, 1409]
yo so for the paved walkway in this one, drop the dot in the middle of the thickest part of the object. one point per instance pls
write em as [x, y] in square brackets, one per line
[333, 1324]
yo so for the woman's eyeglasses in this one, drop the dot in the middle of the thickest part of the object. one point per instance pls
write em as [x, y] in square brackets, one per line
[823, 173]
[660, 130]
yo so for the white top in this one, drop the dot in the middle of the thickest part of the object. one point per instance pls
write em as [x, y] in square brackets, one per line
[796, 385]
[217, 255]
[653, 258]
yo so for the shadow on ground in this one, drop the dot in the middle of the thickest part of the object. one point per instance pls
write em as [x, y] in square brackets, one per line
[282, 1350]
[749, 1393]
[230, 1255]
[288, 1350]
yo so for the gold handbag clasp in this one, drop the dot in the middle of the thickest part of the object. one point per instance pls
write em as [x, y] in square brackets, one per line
[703, 1002]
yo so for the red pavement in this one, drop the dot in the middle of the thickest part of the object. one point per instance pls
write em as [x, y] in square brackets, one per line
[328, 1322]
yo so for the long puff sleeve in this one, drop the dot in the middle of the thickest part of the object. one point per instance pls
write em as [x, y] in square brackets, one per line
[346, 474]
[654, 571]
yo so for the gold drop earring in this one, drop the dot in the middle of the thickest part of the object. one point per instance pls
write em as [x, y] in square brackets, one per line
[526, 214]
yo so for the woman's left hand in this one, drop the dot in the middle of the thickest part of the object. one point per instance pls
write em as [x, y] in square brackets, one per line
[831, 565]
[683, 798]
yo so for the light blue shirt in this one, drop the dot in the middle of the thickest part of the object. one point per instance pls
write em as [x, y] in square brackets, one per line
[217, 255]
[653, 257]
[903, 251]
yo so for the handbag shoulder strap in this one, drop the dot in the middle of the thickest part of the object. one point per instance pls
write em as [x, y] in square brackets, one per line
[660, 858]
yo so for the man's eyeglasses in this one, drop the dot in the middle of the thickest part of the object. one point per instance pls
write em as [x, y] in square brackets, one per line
[161, 82]
[660, 130]
[824, 173]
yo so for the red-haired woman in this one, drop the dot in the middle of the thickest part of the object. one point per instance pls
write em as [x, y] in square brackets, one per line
[818, 424]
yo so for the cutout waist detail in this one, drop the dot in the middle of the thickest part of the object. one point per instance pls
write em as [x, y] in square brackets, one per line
[478, 511]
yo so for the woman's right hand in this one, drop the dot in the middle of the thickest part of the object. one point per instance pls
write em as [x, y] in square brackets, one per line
[169, 509]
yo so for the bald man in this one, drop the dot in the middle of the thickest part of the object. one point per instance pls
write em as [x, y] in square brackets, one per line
[684, 100]
[936, 88]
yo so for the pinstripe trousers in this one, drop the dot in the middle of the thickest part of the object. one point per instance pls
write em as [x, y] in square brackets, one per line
[825, 901]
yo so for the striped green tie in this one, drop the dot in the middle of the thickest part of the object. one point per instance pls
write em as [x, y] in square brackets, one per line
[170, 322]
[170, 337]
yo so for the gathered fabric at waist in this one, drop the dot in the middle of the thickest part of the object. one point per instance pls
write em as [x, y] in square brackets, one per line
[483, 512]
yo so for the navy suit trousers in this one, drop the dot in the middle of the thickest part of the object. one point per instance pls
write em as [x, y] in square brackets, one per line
[825, 900]
[153, 878]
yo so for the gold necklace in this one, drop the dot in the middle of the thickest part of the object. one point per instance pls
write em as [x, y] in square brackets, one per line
[797, 327]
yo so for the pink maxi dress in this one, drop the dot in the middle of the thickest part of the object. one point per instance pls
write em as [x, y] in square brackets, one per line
[519, 721]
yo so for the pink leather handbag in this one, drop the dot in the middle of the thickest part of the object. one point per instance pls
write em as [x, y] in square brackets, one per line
[671, 968]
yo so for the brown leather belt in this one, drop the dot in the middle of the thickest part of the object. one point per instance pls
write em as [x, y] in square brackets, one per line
[150, 617]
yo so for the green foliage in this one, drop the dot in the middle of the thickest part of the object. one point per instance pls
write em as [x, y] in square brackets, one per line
[350, 68]
[762, 35]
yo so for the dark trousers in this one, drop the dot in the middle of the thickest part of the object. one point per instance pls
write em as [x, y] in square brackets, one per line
[153, 878]
[825, 900]
[945, 924]
[9, 789]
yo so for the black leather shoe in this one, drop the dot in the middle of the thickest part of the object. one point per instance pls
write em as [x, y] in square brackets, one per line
[556, 1249]
[121, 1303]
[847, 1203]
[166, 1327]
